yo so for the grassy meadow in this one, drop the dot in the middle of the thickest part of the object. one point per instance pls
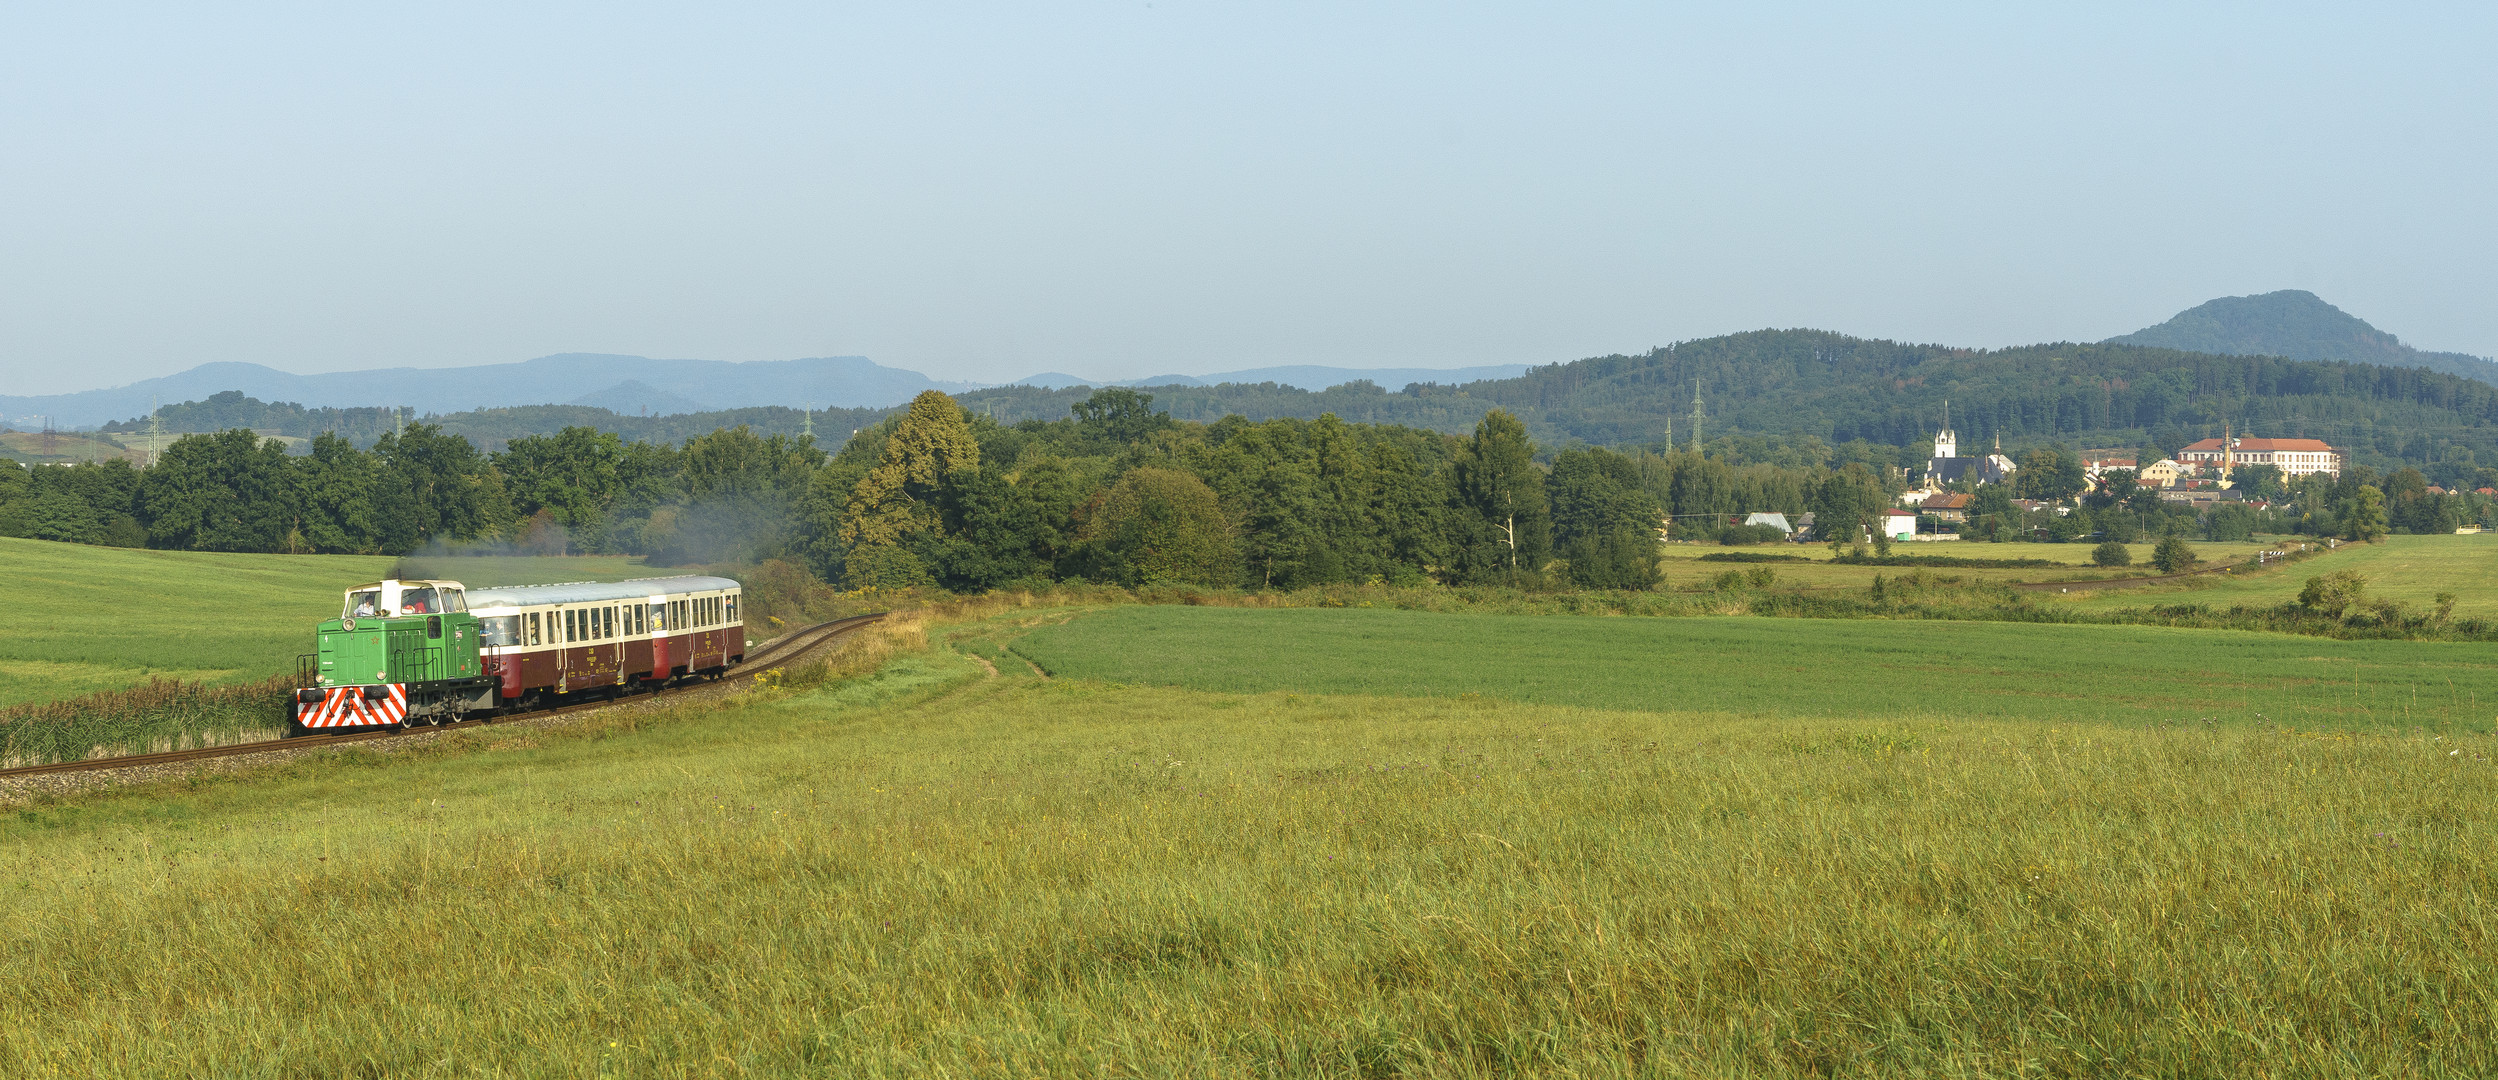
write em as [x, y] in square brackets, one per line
[94, 619]
[936, 870]
[138, 650]
[1798, 668]
[2412, 569]
[1684, 566]
[89, 619]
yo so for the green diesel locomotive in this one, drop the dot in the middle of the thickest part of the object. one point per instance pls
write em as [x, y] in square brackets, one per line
[432, 652]
[400, 652]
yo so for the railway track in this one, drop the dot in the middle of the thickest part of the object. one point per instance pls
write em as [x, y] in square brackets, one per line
[793, 644]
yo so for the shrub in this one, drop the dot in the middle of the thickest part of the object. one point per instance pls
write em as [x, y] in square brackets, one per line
[2112, 554]
[2174, 555]
[1734, 535]
[2334, 593]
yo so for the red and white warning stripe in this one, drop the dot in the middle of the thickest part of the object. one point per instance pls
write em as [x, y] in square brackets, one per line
[346, 706]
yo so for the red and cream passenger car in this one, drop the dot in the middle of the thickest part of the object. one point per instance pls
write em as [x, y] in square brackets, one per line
[543, 640]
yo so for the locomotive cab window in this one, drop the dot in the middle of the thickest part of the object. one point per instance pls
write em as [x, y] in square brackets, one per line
[362, 605]
[419, 602]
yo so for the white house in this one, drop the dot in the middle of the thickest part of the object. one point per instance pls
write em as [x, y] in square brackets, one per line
[1899, 524]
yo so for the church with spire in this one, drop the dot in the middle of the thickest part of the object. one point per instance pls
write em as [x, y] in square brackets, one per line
[1947, 466]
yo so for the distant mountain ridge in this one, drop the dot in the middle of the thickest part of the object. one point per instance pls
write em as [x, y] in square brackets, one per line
[2300, 325]
[629, 386]
[1300, 376]
[625, 384]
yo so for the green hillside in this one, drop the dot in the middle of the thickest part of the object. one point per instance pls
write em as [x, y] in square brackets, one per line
[108, 618]
[2299, 325]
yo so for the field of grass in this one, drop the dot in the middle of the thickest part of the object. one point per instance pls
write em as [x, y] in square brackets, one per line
[1803, 668]
[933, 871]
[89, 619]
[1683, 565]
[2412, 569]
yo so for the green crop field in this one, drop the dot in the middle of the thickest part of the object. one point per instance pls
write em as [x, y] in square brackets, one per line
[1787, 667]
[87, 619]
[938, 871]
[1683, 564]
[2412, 569]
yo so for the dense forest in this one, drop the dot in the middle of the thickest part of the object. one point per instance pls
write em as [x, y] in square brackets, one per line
[1113, 490]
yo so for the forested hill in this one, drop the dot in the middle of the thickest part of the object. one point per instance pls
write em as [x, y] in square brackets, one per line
[492, 429]
[1840, 388]
[1782, 383]
[2299, 325]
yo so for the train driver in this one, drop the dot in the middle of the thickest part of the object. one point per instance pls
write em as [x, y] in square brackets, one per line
[364, 606]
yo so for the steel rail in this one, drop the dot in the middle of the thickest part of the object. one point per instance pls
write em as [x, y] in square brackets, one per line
[794, 643]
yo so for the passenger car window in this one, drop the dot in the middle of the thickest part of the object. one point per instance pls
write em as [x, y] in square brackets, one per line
[533, 628]
[500, 630]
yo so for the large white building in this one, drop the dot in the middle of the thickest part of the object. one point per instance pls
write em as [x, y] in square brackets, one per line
[2294, 457]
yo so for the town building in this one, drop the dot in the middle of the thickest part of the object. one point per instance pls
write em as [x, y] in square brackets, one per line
[2097, 462]
[2294, 457]
[1948, 467]
[1949, 505]
[1899, 524]
[2160, 474]
[1775, 521]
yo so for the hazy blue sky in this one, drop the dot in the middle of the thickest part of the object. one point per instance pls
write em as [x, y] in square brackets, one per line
[985, 191]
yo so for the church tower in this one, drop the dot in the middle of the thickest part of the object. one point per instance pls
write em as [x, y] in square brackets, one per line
[1946, 444]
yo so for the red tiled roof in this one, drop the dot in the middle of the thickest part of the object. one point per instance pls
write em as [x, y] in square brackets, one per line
[1947, 500]
[2295, 446]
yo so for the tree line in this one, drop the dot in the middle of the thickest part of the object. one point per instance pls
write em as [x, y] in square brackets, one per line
[1116, 491]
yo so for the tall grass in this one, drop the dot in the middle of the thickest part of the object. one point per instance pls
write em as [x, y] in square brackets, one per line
[933, 872]
[162, 714]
